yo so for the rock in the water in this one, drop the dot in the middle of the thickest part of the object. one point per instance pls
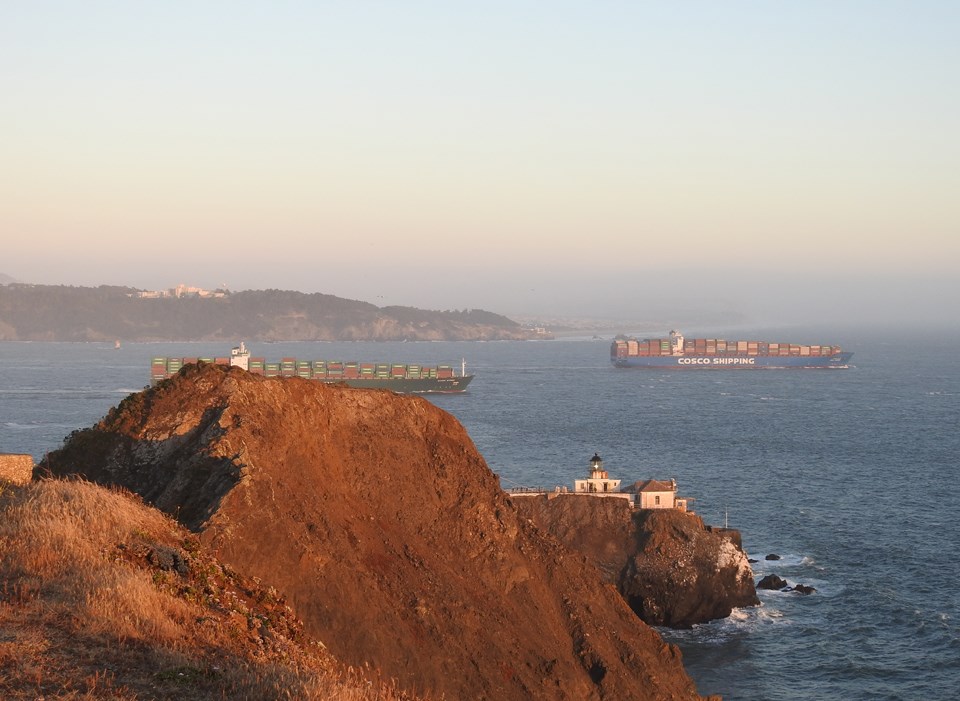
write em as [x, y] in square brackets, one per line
[771, 581]
[772, 556]
[804, 589]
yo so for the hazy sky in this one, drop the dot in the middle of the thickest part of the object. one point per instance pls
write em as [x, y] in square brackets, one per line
[590, 158]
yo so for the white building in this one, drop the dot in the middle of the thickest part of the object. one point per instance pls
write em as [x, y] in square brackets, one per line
[659, 494]
[598, 482]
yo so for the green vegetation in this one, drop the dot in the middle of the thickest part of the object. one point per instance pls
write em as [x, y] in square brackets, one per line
[61, 313]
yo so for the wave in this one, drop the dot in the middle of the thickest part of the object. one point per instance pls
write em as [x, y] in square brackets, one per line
[741, 623]
[17, 426]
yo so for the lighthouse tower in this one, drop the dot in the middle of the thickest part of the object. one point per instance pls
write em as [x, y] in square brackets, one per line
[598, 481]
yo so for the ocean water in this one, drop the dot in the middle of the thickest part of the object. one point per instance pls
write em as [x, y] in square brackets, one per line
[851, 476]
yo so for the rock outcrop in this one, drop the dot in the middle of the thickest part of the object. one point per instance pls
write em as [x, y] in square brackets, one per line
[772, 582]
[377, 518]
[775, 583]
[672, 569]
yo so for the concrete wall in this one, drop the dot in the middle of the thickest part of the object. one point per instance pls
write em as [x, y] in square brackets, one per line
[648, 500]
[17, 469]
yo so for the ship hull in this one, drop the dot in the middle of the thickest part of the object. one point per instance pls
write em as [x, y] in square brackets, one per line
[443, 385]
[734, 362]
[400, 385]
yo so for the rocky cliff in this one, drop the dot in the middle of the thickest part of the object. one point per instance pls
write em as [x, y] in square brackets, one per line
[381, 523]
[670, 568]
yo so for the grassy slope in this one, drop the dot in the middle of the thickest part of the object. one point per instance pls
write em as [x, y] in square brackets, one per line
[104, 597]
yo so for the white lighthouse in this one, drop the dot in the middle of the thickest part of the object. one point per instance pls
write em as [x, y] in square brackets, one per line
[598, 482]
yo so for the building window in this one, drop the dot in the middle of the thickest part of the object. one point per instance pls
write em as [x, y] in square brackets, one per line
[656, 500]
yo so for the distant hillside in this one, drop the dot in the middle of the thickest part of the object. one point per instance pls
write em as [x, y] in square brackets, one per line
[61, 313]
[5, 279]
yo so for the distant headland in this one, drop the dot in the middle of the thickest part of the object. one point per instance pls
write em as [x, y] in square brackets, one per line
[109, 313]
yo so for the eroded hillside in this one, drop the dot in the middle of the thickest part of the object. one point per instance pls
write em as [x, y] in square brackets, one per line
[379, 520]
[104, 597]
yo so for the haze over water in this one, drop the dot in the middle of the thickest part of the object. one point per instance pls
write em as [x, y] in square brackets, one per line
[757, 162]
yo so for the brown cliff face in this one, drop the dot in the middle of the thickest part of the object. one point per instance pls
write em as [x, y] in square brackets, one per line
[381, 523]
[671, 569]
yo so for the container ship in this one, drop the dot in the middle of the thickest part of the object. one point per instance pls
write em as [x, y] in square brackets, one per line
[403, 379]
[713, 353]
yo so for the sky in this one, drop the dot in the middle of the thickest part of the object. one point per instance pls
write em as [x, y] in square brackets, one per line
[767, 160]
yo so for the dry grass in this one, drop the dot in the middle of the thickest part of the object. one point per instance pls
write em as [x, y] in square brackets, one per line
[102, 597]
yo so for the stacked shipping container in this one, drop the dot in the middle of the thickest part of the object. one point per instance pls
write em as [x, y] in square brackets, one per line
[630, 348]
[162, 368]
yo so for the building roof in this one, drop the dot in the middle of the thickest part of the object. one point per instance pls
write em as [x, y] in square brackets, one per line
[653, 486]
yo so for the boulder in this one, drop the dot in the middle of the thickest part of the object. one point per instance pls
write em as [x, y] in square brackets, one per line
[771, 581]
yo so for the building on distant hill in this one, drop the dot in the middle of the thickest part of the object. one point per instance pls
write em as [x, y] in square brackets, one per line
[182, 290]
